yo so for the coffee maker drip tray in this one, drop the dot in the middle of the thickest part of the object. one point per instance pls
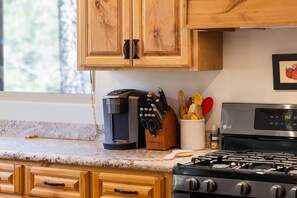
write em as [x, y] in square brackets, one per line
[119, 145]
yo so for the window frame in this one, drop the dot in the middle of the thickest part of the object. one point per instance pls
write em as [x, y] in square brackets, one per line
[48, 107]
[32, 94]
[45, 97]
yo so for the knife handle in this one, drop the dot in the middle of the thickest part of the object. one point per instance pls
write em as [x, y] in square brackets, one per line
[157, 121]
[163, 98]
[160, 106]
[156, 111]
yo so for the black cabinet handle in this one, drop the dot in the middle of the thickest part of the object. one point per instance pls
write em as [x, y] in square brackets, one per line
[126, 192]
[126, 49]
[135, 41]
[53, 184]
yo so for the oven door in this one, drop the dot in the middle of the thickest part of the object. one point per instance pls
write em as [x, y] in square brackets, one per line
[199, 195]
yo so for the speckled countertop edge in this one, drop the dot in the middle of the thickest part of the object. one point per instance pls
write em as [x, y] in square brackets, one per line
[77, 144]
[87, 153]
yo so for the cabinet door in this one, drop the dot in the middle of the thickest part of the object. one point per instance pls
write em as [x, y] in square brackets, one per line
[113, 185]
[53, 182]
[11, 178]
[157, 24]
[204, 14]
[103, 26]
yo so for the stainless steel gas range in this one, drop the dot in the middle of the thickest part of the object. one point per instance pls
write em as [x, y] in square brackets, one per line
[258, 156]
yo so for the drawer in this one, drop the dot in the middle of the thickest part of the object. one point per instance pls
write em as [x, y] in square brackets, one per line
[11, 178]
[114, 185]
[126, 190]
[54, 182]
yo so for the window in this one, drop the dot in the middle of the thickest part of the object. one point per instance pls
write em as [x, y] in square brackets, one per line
[38, 50]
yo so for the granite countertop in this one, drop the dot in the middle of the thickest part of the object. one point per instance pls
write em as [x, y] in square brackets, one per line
[76, 144]
[86, 152]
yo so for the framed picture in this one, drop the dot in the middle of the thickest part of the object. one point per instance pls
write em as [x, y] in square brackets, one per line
[284, 71]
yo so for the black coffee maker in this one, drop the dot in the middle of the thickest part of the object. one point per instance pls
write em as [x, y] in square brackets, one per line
[122, 125]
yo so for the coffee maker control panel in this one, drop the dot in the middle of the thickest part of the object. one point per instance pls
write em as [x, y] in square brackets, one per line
[119, 92]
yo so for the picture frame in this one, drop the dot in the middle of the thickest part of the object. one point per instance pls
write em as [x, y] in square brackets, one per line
[284, 71]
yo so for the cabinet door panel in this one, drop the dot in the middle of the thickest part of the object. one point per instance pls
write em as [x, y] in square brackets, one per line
[11, 178]
[54, 182]
[113, 185]
[162, 41]
[103, 25]
[203, 14]
[126, 190]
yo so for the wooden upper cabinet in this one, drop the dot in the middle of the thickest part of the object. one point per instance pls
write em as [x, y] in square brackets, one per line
[205, 14]
[157, 25]
[151, 34]
[103, 27]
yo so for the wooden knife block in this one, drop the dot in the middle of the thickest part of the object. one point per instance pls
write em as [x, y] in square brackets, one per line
[167, 137]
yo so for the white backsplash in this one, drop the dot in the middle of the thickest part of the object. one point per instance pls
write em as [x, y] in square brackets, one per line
[247, 75]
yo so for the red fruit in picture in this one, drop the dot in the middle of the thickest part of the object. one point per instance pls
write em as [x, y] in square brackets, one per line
[289, 72]
[294, 74]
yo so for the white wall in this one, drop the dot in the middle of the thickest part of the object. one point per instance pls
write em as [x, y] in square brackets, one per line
[246, 77]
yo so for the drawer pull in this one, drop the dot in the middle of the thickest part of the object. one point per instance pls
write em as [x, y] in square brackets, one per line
[126, 192]
[53, 184]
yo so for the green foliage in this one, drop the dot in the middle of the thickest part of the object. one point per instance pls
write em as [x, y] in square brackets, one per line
[31, 46]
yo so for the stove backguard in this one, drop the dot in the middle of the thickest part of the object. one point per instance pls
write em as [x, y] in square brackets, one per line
[259, 127]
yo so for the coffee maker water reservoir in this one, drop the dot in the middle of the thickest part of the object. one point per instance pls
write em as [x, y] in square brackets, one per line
[123, 129]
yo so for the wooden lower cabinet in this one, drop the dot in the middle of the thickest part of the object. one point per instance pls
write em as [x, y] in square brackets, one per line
[113, 185]
[54, 182]
[11, 178]
[26, 179]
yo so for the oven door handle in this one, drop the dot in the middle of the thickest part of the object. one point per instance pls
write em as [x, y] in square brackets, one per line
[270, 139]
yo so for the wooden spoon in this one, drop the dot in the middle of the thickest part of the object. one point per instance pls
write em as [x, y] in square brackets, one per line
[198, 111]
[178, 153]
[183, 110]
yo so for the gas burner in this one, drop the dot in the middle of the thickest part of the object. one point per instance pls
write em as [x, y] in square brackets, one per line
[247, 161]
[293, 172]
[220, 166]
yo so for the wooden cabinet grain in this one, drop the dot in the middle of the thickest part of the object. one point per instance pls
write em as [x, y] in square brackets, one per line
[207, 14]
[115, 185]
[103, 26]
[11, 178]
[54, 182]
[150, 31]
[39, 179]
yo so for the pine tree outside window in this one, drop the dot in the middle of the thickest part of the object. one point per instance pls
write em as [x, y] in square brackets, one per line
[38, 51]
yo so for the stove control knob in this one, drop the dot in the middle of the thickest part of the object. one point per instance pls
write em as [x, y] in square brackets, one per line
[242, 188]
[293, 192]
[209, 185]
[192, 183]
[277, 191]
